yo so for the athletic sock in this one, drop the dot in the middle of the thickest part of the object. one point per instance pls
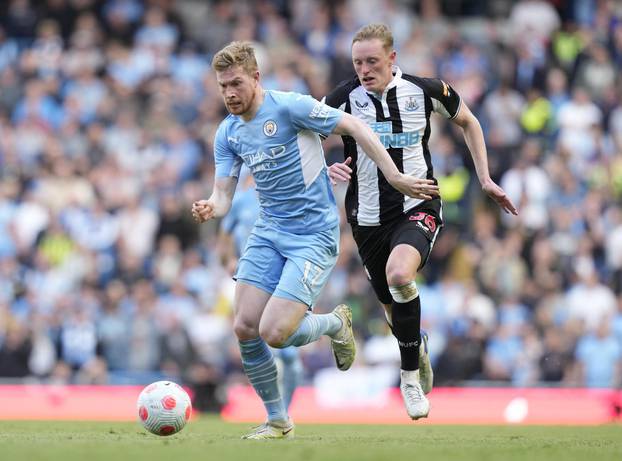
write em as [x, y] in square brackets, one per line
[259, 366]
[291, 373]
[312, 327]
[406, 319]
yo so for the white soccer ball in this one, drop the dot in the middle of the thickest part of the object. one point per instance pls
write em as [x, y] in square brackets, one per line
[164, 408]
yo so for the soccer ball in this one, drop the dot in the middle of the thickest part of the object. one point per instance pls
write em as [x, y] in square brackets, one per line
[164, 408]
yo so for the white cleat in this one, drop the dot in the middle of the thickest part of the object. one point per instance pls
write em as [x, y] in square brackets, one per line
[272, 430]
[417, 404]
[343, 344]
[426, 375]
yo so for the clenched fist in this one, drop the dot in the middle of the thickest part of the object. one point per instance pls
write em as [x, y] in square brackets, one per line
[202, 210]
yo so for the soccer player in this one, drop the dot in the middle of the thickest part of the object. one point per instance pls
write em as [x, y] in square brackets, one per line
[235, 228]
[294, 243]
[395, 233]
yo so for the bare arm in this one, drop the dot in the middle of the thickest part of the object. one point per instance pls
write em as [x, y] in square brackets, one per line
[369, 142]
[474, 138]
[219, 202]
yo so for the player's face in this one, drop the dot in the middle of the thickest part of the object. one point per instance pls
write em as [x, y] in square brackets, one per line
[237, 89]
[373, 64]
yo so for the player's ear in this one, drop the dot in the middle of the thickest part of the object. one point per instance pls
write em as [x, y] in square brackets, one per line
[392, 56]
[256, 76]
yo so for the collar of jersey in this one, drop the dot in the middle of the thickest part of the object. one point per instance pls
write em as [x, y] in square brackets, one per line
[397, 75]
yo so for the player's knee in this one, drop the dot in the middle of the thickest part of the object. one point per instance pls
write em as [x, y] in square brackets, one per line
[405, 292]
[273, 335]
[244, 330]
[398, 276]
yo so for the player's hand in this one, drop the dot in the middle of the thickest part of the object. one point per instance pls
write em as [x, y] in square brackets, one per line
[424, 189]
[496, 193]
[202, 210]
[340, 171]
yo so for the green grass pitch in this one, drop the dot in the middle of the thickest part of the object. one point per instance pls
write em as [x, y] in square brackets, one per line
[208, 438]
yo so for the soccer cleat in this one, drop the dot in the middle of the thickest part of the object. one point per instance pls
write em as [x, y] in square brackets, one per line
[272, 430]
[344, 347]
[426, 375]
[417, 404]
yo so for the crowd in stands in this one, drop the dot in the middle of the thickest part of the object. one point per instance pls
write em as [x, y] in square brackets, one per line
[108, 111]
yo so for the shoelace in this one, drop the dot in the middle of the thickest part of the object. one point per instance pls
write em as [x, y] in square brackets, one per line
[261, 428]
[414, 394]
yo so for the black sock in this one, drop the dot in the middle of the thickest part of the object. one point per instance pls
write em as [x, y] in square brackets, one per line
[406, 319]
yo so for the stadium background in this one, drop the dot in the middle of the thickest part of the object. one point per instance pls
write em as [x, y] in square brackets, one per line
[107, 116]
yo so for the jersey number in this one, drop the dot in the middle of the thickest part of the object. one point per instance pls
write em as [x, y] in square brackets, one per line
[311, 275]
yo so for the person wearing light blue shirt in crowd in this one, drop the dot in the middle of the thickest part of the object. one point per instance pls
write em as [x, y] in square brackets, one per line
[295, 241]
[598, 357]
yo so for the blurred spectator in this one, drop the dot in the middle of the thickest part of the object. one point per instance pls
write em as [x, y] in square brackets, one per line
[528, 186]
[502, 109]
[556, 357]
[598, 358]
[589, 292]
[575, 119]
[15, 351]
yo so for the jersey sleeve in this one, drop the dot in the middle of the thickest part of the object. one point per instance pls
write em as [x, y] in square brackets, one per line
[228, 163]
[307, 113]
[445, 100]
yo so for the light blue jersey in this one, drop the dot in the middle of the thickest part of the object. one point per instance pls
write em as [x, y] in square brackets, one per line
[295, 241]
[282, 148]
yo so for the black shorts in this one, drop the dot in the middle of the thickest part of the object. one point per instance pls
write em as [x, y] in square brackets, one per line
[418, 227]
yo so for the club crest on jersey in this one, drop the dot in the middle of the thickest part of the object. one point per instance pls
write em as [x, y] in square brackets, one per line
[361, 105]
[411, 104]
[270, 128]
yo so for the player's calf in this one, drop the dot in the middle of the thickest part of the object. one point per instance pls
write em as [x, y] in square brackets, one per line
[406, 321]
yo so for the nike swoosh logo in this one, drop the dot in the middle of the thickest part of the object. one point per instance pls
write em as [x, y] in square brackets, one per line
[288, 431]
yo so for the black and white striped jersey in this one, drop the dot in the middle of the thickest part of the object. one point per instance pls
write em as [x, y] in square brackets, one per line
[401, 119]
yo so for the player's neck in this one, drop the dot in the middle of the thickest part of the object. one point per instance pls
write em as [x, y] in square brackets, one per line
[255, 105]
[378, 94]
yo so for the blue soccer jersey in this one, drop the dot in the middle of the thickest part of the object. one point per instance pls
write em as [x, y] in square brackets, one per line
[282, 148]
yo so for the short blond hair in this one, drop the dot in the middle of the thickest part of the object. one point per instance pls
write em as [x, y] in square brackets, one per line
[377, 30]
[236, 54]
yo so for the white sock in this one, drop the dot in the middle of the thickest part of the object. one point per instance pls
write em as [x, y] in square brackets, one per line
[409, 376]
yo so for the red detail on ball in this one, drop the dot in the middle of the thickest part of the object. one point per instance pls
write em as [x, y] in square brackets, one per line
[169, 402]
[143, 413]
[167, 430]
[188, 412]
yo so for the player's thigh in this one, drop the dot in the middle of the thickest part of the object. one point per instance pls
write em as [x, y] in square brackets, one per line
[258, 274]
[261, 264]
[374, 248]
[310, 259]
[412, 241]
